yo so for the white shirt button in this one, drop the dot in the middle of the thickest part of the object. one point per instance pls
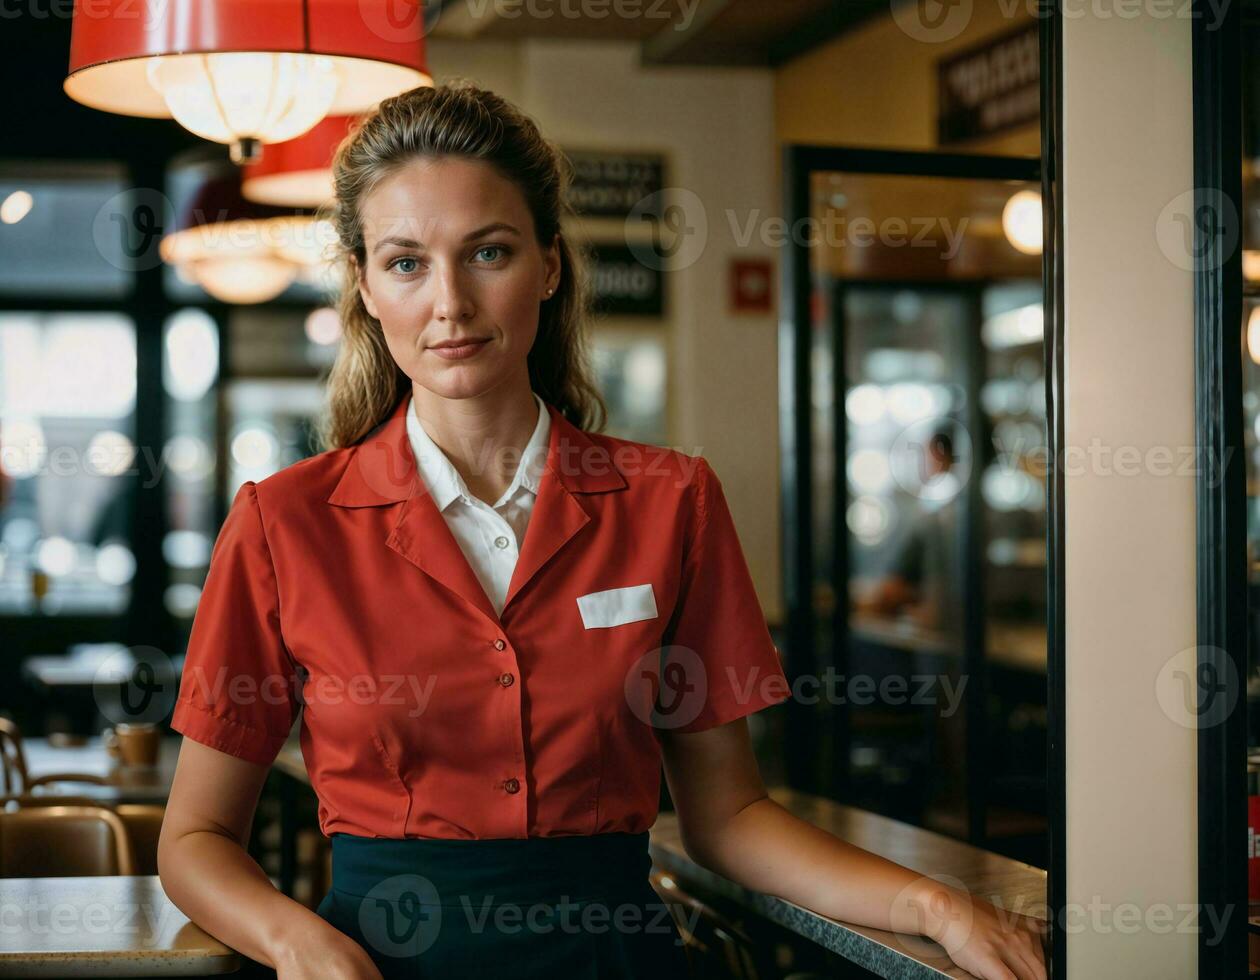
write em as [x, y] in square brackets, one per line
[500, 542]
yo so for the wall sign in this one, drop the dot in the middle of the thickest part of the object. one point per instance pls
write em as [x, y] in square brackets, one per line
[610, 184]
[623, 285]
[989, 88]
[751, 281]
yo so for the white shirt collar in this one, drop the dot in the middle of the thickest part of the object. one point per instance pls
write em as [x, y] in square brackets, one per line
[444, 481]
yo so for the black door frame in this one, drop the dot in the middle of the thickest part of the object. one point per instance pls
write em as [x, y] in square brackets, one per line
[1221, 568]
[803, 728]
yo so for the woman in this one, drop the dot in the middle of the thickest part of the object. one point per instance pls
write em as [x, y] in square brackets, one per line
[495, 622]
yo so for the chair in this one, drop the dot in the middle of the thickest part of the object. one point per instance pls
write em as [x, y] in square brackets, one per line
[717, 948]
[144, 826]
[142, 821]
[57, 841]
[16, 775]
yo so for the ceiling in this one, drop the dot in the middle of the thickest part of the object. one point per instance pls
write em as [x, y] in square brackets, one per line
[671, 32]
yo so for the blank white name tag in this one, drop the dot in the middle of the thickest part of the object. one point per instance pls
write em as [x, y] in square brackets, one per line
[614, 607]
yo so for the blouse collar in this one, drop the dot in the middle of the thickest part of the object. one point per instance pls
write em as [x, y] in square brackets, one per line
[444, 480]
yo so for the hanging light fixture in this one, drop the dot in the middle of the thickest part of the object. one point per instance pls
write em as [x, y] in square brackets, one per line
[1253, 334]
[243, 252]
[244, 73]
[298, 173]
[1021, 221]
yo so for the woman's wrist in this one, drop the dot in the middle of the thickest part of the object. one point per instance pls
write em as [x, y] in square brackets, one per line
[294, 931]
[939, 908]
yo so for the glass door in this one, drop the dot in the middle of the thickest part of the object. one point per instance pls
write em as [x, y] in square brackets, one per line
[923, 493]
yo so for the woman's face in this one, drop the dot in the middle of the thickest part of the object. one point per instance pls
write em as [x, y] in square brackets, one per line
[452, 255]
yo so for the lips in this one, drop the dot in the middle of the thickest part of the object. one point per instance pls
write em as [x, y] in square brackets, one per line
[461, 342]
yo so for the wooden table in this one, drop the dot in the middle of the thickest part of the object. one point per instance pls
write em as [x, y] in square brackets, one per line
[1011, 885]
[113, 926]
[127, 784]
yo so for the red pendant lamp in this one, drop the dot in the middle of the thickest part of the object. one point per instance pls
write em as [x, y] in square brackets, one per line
[298, 172]
[245, 72]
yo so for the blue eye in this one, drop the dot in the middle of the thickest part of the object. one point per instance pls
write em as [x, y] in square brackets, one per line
[399, 261]
[492, 248]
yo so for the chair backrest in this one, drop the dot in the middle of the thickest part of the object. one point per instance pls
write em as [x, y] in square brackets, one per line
[716, 946]
[144, 826]
[57, 841]
[12, 757]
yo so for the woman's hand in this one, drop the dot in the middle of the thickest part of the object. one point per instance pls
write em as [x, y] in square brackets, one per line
[326, 954]
[991, 943]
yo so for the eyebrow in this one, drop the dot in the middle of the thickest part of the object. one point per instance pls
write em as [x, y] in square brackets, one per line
[412, 243]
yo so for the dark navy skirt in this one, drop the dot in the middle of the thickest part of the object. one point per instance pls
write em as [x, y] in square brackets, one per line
[535, 908]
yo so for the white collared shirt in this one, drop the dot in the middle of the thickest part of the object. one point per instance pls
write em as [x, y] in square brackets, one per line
[490, 537]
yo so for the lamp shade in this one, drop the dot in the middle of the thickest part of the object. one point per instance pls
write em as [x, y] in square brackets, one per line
[298, 172]
[230, 246]
[241, 71]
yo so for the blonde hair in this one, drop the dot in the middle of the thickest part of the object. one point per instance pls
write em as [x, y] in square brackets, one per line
[455, 119]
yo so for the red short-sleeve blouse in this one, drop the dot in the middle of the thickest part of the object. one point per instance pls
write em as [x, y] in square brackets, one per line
[336, 591]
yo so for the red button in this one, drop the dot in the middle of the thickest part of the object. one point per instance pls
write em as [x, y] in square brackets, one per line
[507, 680]
[499, 644]
[512, 785]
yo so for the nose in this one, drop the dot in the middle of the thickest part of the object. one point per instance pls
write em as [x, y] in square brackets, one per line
[452, 300]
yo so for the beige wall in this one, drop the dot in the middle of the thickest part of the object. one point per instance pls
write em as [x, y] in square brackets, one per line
[715, 128]
[876, 86]
[1130, 539]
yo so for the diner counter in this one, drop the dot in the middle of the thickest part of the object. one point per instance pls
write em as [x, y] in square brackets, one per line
[103, 926]
[1010, 885]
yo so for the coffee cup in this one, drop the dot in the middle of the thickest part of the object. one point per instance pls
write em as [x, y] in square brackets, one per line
[133, 744]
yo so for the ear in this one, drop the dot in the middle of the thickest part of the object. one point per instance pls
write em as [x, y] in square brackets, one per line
[551, 266]
[364, 292]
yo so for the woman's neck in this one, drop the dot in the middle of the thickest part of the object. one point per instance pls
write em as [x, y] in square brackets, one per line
[483, 437]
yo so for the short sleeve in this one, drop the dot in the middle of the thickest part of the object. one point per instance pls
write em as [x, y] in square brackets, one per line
[238, 689]
[720, 662]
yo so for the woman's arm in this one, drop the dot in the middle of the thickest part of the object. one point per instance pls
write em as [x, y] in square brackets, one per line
[207, 872]
[729, 825]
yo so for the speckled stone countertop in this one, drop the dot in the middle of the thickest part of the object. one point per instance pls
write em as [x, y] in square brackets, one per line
[107, 926]
[1009, 884]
